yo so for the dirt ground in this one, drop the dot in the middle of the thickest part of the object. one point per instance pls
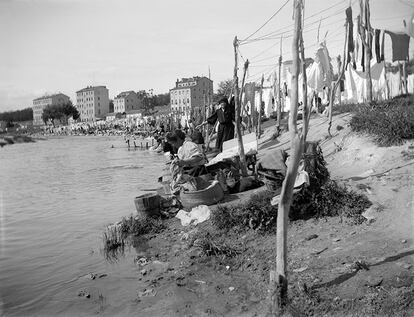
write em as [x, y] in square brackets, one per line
[336, 268]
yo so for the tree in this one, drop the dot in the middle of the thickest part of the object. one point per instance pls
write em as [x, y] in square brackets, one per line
[17, 115]
[111, 105]
[224, 89]
[60, 112]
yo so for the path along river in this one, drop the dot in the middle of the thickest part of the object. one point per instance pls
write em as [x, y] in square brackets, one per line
[56, 198]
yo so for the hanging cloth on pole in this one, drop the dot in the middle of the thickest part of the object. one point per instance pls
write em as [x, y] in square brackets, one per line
[409, 27]
[400, 46]
[377, 45]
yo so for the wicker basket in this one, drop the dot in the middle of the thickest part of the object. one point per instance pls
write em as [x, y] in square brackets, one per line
[208, 196]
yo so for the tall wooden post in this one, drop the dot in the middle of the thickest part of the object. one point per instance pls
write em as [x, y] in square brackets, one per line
[339, 64]
[243, 164]
[306, 112]
[246, 65]
[340, 76]
[404, 76]
[278, 279]
[279, 107]
[259, 117]
[366, 37]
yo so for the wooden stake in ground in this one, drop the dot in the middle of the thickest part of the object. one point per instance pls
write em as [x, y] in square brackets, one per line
[243, 164]
[278, 279]
[279, 106]
[306, 111]
[338, 81]
[259, 117]
[246, 65]
[366, 36]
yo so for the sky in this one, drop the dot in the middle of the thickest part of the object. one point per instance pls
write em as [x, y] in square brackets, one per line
[50, 46]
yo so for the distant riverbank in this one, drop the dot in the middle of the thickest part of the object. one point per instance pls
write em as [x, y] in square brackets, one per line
[15, 138]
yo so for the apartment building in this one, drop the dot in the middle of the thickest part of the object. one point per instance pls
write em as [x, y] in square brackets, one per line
[92, 103]
[40, 103]
[126, 101]
[191, 94]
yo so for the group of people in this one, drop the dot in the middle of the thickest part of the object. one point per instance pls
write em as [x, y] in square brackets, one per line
[187, 151]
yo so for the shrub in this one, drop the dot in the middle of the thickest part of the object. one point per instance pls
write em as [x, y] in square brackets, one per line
[390, 122]
[139, 226]
[322, 198]
[256, 213]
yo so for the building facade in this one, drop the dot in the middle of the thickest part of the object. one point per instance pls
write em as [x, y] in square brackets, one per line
[92, 103]
[190, 94]
[39, 105]
[127, 101]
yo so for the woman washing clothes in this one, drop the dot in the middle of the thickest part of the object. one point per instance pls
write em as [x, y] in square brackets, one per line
[189, 161]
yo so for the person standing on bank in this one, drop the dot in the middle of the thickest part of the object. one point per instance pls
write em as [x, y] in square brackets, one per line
[224, 114]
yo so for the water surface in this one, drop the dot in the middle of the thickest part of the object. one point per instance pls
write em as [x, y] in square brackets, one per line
[56, 197]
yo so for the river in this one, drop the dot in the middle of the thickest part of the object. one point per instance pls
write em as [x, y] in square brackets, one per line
[56, 198]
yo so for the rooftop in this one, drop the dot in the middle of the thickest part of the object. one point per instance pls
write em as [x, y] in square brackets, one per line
[50, 96]
[124, 94]
[90, 88]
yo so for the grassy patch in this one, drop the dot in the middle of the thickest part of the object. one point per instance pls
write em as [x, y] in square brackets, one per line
[115, 236]
[215, 244]
[390, 122]
[257, 213]
[113, 243]
[138, 226]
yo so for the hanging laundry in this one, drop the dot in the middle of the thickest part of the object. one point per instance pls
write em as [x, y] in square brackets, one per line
[355, 82]
[377, 45]
[409, 26]
[320, 73]
[357, 46]
[400, 46]
[351, 47]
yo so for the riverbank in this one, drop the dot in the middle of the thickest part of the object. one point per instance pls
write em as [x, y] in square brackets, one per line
[336, 267]
[9, 139]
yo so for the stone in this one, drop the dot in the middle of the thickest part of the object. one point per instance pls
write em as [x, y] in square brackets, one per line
[371, 213]
[301, 269]
[336, 240]
[180, 281]
[147, 292]
[404, 265]
[373, 281]
[143, 272]
[404, 241]
[311, 237]
[231, 288]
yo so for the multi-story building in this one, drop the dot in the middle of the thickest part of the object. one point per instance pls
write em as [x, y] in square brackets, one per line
[40, 103]
[191, 94]
[126, 101]
[92, 103]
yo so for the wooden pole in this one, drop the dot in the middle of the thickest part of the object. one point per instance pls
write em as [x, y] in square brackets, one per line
[340, 75]
[305, 116]
[279, 107]
[339, 64]
[366, 38]
[246, 65]
[404, 64]
[259, 117]
[278, 279]
[243, 164]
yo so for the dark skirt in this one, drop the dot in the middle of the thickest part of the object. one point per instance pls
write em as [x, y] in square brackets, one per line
[225, 132]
